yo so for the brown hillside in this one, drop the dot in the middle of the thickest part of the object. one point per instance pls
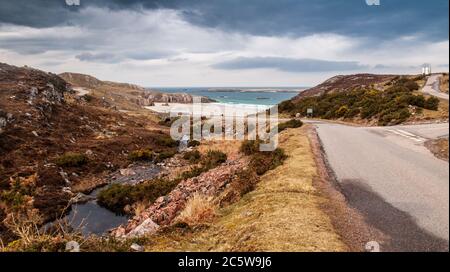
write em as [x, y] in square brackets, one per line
[345, 83]
[40, 121]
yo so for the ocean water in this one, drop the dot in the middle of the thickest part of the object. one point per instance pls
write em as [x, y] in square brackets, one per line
[236, 95]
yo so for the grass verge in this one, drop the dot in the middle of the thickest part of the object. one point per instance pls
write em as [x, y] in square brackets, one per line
[282, 213]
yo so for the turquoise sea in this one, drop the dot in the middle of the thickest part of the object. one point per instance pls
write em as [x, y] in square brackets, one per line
[238, 95]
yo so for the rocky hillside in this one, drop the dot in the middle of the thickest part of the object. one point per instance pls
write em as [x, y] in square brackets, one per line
[368, 99]
[81, 80]
[124, 95]
[346, 82]
[53, 144]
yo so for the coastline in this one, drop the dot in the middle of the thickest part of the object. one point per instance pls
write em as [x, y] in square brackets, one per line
[234, 95]
[209, 109]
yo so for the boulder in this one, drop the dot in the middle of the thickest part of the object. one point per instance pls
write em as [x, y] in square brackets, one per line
[5, 119]
[136, 247]
[127, 172]
[146, 227]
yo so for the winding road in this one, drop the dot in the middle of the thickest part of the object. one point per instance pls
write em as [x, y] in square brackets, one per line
[432, 87]
[393, 180]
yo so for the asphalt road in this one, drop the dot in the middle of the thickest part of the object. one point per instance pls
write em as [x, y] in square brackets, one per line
[388, 175]
[432, 87]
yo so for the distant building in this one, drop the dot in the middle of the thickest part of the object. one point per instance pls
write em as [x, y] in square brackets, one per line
[426, 69]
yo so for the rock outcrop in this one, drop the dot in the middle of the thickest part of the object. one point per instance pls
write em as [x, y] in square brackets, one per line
[27, 88]
[152, 97]
[38, 86]
[167, 208]
[5, 119]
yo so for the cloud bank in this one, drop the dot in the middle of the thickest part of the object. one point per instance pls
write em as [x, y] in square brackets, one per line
[224, 43]
[290, 65]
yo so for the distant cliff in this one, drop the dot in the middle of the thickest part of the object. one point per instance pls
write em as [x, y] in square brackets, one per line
[127, 92]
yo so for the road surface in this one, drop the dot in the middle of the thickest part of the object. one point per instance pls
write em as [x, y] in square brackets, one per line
[432, 87]
[396, 183]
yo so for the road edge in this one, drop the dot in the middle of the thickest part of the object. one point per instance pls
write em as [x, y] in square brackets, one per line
[348, 222]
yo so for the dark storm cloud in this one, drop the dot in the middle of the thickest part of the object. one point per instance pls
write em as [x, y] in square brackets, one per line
[392, 18]
[289, 64]
[48, 13]
[40, 13]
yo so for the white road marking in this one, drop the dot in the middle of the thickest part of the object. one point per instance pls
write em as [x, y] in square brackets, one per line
[406, 132]
[408, 135]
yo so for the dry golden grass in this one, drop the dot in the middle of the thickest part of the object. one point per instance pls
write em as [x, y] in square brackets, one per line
[199, 209]
[282, 214]
[439, 147]
[231, 148]
[140, 207]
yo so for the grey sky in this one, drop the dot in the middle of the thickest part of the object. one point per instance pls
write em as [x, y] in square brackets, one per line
[224, 43]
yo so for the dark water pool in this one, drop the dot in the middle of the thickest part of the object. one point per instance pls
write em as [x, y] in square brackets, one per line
[91, 218]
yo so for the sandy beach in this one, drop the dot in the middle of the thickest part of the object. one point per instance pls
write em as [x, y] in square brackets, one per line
[209, 109]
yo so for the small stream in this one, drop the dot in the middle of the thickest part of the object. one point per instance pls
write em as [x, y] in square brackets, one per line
[91, 218]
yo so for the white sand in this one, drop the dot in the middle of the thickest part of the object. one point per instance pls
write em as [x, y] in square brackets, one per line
[209, 109]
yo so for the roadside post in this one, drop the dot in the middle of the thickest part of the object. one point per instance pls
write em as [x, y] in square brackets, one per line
[309, 112]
